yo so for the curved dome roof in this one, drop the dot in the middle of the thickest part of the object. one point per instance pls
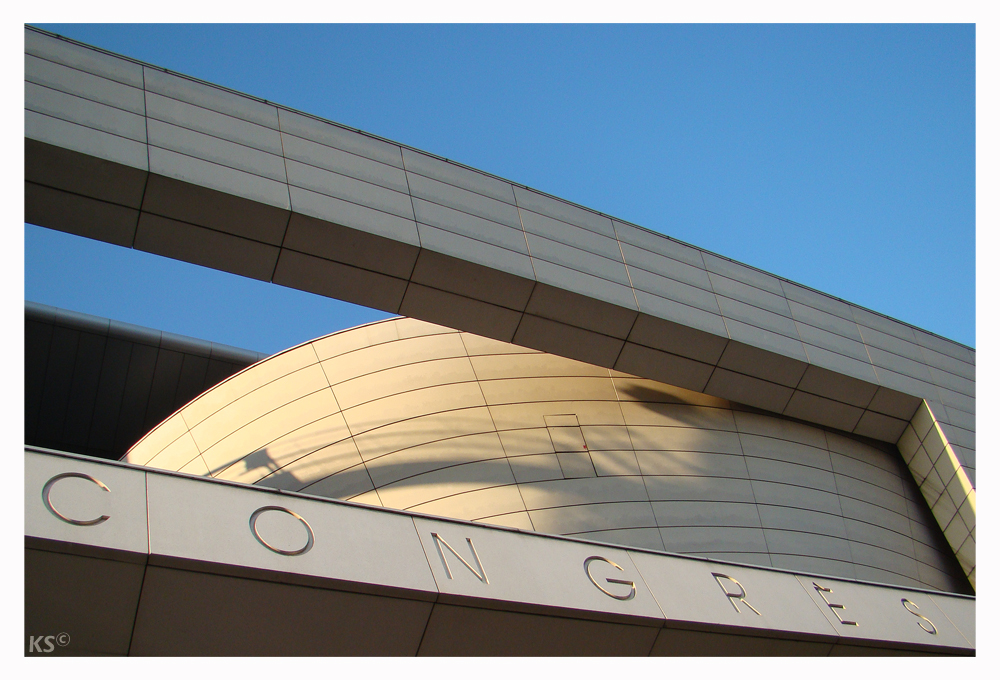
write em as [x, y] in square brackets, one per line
[409, 415]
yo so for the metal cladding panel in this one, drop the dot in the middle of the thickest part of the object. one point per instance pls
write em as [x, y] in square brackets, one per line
[198, 521]
[229, 205]
[868, 613]
[575, 250]
[231, 569]
[689, 591]
[75, 501]
[487, 564]
[403, 414]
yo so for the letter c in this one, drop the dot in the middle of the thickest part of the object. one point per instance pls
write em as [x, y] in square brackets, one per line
[76, 522]
[631, 584]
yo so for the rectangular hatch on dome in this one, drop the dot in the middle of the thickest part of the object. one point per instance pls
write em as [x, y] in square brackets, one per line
[570, 446]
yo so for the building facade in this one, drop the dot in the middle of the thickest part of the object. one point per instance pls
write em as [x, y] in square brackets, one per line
[701, 429]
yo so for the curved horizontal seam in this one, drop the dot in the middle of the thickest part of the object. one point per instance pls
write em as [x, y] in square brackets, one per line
[347, 469]
[502, 514]
[895, 457]
[335, 383]
[606, 531]
[876, 486]
[865, 481]
[803, 486]
[798, 486]
[871, 566]
[319, 448]
[890, 550]
[698, 427]
[439, 498]
[843, 517]
[639, 501]
[840, 493]
[722, 526]
[173, 441]
[247, 423]
[249, 392]
[422, 415]
[443, 467]
[378, 343]
[411, 391]
[789, 462]
[823, 449]
[937, 569]
[934, 545]
[52, 88]
[446, 467]
[840, 538]
[828, 559]
[553, 377]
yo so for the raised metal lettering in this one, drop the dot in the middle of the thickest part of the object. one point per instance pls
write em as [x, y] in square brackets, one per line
[907, 604]
[291, 553]
[740, 596]
[75, 522]
[480, 574]
[832, 605]
[630, 584]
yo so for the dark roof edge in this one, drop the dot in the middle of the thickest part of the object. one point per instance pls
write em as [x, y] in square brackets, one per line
[78, 321]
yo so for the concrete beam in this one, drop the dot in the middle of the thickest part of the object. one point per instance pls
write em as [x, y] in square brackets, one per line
[130, 154]
[125, 560]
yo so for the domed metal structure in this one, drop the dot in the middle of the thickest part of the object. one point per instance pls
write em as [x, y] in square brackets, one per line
[408, 415]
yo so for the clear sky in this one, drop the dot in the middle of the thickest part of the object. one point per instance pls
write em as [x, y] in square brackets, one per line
[841, 157]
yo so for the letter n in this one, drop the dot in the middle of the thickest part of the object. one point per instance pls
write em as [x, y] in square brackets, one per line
[478, 573]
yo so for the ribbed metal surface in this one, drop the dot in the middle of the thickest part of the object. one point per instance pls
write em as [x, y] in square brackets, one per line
[409, 415]
[95, 386]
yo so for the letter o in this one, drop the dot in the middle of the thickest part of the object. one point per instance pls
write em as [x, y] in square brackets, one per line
[47, 489]
[291, 553]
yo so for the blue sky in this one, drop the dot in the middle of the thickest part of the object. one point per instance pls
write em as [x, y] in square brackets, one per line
[838, 156]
